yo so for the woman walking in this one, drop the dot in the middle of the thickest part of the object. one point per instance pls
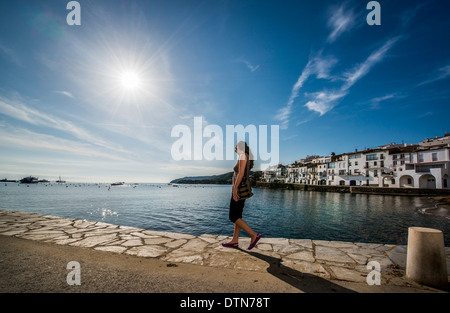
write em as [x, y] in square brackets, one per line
[241, 190]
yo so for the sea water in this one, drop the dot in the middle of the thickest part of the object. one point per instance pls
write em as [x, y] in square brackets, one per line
[203, 209]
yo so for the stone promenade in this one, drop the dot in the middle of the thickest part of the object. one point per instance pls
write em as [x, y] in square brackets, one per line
[331, 260]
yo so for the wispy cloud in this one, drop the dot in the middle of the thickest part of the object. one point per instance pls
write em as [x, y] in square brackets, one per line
[10, 55]
[408, 16]
[359, 71]
[65, 93]
[318, 66]
[324, 101]
[439, 74]
[18, 110]
[425, 114]
[341, 19]
[285, 112]
[10, 135]
[375, 102]
[250, 66]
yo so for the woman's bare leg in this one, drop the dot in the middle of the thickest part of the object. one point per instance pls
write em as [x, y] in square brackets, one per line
[236, 233]
[241, 224]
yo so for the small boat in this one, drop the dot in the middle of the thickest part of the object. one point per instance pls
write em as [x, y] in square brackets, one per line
[118, 184]
[29, 180]
[8, 180]
[59, 181]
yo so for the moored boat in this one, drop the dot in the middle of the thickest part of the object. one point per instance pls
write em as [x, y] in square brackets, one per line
[5, 180]
[59, 181]
[29, 180]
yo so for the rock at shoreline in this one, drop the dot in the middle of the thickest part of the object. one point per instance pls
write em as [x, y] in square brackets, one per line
[442, 206]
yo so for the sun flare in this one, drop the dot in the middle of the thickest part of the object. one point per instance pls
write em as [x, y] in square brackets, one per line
[130, 80]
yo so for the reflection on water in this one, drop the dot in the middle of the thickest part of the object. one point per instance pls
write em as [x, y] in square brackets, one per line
[199, 209]
[102, 213]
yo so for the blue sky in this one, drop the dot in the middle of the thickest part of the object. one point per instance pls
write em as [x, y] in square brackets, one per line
[315, 68]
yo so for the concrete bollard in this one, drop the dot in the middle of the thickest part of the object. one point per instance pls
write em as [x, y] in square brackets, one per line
[425, 259]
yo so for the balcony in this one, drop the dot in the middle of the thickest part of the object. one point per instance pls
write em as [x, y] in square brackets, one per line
[409, 167]
[427, 168]
[374, 167]
[350, 174]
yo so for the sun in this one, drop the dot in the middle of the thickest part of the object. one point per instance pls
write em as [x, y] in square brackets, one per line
[130, 80]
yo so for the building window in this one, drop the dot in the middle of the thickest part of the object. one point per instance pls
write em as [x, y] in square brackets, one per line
[375, 173]
[420, 157]
[371, 157]
[434, 157]
[395, 162]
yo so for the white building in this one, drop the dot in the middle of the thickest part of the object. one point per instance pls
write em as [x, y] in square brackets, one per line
[269, 174]
[425, 165]
[293, 173]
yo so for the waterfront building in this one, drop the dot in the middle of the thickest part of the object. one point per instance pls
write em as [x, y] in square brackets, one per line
[423, 165]
[281, 173]
[292, 173]
[275, 173]
[269, 174]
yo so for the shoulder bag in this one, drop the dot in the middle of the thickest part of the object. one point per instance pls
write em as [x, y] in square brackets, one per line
[245, 188]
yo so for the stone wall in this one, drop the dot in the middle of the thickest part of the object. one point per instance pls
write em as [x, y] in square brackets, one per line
[357, 189]
[400, 191]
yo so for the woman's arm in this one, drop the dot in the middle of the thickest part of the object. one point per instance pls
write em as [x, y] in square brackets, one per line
[242, 163]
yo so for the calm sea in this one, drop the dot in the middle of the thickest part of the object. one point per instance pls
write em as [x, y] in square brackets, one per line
[203, 209]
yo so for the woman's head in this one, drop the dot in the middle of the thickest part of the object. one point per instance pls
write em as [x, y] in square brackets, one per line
[242, 147]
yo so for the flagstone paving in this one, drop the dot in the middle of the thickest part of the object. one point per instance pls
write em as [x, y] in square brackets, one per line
[333, 260]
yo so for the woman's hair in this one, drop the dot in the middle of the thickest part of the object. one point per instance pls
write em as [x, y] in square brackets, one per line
[242, 145]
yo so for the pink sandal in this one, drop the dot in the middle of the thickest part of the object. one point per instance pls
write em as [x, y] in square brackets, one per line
[230, 244]
[253, 244]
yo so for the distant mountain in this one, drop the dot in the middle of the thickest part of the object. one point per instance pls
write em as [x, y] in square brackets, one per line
[223, 179]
